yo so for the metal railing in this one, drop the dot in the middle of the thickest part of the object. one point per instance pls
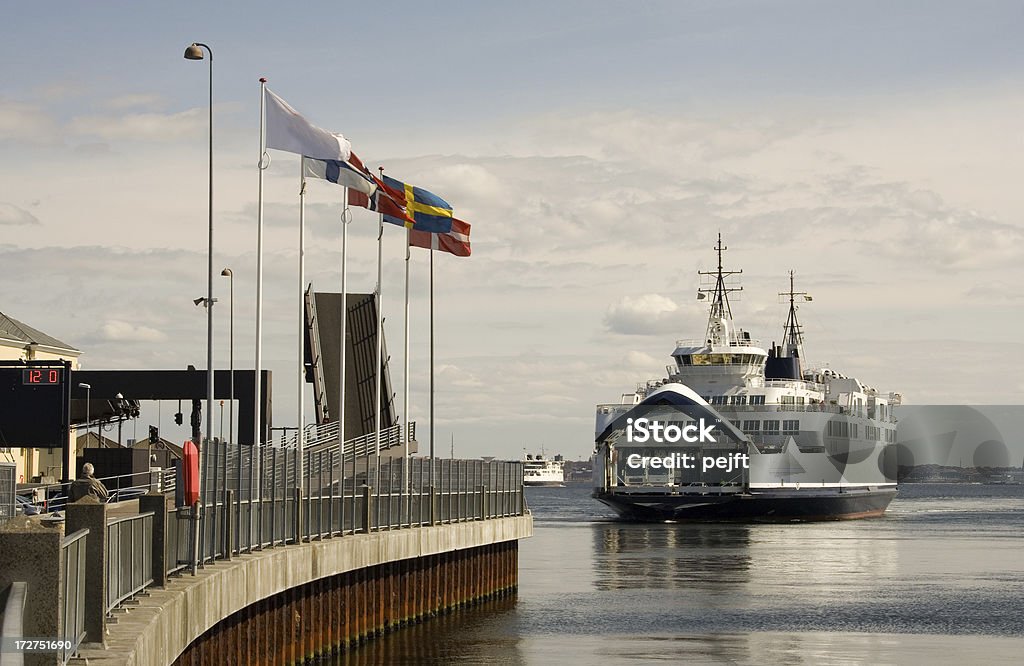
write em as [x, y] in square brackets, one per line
[253, 501]
[253, 498]
[53, 497]
[13, 626]
[129, 557]
[72, 609]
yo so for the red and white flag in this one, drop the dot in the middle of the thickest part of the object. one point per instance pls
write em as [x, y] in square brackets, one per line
[454, 242]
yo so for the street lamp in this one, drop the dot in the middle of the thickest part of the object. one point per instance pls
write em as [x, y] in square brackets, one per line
[195, 52]
[231, 352]
[88, 389]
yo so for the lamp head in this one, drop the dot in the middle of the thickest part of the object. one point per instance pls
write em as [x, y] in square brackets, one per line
[226, 272]
[198, 301]
[194, 52]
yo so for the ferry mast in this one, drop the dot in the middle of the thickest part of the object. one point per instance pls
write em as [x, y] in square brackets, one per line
[719, 330]
[792, 332]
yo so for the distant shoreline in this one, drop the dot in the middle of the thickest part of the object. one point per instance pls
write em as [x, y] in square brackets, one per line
[948, 474]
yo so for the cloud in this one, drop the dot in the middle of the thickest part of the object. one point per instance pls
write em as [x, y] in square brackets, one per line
[160, 127]
[643, 315]
[26, 123]
[13, 215]
[122, 331]
[136, 100]
[591, 230]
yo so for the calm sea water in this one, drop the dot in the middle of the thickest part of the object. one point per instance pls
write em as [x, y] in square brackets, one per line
[939, 579]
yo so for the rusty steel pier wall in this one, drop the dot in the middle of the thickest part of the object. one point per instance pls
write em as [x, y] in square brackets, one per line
[326, 617]
[293, 604]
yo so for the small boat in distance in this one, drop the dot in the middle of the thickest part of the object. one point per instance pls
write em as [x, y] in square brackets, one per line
[539, 470]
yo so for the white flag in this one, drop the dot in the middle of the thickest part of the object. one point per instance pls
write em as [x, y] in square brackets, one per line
[287, 130]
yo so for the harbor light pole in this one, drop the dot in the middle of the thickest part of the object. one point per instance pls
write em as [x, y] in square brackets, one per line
[195, 52]
[231, 352]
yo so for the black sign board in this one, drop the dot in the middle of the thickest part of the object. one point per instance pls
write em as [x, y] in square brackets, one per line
[33, 407]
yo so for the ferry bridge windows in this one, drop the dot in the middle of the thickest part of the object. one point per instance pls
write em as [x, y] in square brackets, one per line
[719, 400]
[790, 427]
[751, 427]
[757, 400]
[717, 359]
[739, 400]
[771, 427]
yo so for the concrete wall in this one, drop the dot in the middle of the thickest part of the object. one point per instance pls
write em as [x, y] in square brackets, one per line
[163, 624]
[30, 553]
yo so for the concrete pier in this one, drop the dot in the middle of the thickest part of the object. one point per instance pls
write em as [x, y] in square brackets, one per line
[286, 604]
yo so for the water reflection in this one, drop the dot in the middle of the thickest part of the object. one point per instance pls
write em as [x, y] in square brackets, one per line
[941, 575]
[656, 556]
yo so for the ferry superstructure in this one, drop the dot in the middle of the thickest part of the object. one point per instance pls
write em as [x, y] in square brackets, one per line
[817, 443]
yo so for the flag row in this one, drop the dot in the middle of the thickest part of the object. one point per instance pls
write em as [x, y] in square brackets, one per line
[328, 156]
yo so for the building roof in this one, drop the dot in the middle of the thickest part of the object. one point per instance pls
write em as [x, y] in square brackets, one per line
[91, 440]
[15, 331]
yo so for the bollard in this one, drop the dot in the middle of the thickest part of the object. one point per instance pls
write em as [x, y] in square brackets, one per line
[433, 501]
[297, 495]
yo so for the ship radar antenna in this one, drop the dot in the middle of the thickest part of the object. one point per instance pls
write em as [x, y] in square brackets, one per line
[792, 332]
[720, 319]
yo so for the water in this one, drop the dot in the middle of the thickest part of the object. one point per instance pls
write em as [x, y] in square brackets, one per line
[939, 579]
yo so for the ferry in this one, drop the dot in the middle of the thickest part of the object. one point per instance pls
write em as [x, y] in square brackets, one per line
[539, 470]
[769, 439]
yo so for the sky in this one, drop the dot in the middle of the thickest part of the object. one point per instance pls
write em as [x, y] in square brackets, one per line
[597, 149]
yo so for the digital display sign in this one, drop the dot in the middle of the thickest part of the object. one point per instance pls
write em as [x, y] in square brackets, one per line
[33, 406]
[42, 376]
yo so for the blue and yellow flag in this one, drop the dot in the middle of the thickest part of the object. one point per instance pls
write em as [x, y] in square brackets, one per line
[429, 212]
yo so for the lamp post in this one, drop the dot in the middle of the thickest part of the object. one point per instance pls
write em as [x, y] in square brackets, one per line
[195, 52]
[231, 352]
[88, 389]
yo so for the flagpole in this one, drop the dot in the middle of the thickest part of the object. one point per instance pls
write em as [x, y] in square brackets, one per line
[257, 440]
[380, 340]
[431, 374]
[346, 216]
[405, 392]
[300, 438]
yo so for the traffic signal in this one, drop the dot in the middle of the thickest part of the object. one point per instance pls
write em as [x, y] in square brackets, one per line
[154, 435]
[178, 418]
